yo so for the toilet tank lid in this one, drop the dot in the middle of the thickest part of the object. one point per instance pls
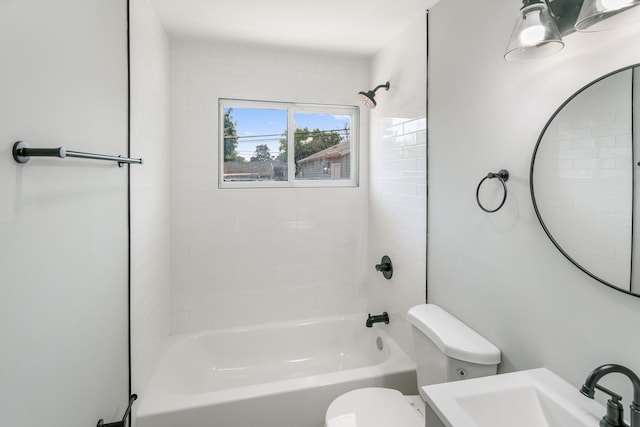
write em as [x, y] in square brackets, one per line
[451, 336]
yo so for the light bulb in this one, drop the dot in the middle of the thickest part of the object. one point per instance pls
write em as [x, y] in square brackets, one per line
[615, 4]
[532, 35]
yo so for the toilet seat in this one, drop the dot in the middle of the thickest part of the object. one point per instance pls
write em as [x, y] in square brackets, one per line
[373, 407]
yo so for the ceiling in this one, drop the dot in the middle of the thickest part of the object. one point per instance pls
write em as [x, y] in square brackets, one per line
[354, 27]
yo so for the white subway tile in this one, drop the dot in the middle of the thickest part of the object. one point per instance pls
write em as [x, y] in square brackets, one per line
[235, 249]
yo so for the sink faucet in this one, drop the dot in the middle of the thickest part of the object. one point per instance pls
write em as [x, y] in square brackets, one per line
[384, 317]
[613, 418]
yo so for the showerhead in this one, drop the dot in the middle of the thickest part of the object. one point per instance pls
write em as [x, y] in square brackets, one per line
[367, 99]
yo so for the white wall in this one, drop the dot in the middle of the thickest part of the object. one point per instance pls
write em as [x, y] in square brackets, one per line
[150, 234]
[251, 256]
[63, 222]
[499, 272]
[397, 199]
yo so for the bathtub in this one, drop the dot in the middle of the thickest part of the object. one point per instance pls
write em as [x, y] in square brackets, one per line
[272, 375]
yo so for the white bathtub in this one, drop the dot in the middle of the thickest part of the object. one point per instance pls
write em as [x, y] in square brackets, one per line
[272, 375]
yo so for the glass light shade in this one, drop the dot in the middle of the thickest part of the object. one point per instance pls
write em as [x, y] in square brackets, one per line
[534, 35]
[601, 15]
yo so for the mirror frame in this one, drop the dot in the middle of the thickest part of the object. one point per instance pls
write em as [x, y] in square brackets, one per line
[533, 197]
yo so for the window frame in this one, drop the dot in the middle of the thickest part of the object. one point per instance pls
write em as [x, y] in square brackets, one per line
[292, 108]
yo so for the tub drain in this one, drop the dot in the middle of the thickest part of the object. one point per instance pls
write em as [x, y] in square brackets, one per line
[379, 343]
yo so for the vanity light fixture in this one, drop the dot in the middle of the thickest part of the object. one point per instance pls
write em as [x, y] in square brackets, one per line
[601, 15]
[368, 98]
[541, 24]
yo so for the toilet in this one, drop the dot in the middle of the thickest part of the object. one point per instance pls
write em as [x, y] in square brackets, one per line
[446, 350]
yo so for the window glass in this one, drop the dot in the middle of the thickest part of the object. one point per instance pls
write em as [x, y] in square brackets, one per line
[268, 144]
[322, 145]
[252, 139]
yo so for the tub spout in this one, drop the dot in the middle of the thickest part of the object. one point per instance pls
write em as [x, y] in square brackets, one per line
[384, 317]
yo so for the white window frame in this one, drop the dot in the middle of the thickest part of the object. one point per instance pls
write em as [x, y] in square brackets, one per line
[292, 108]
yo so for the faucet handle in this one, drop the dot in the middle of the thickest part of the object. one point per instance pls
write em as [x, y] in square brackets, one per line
[614, 396]
[385, 267]
[614, 416]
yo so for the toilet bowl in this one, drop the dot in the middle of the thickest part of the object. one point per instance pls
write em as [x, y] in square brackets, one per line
[446, 350]
[375, 407]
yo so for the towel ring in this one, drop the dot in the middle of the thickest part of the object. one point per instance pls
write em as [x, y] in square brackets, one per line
[503, 176]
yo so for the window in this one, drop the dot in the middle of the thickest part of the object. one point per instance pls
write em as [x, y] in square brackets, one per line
[270, 144]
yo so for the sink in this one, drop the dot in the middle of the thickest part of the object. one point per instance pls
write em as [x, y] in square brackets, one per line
[529, 405]
[533, 398]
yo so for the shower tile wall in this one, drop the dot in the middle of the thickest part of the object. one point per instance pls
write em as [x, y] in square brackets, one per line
[243, 256]
[150, 184]
[397, 200]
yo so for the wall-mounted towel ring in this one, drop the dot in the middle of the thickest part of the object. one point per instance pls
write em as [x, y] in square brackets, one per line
[503, 176]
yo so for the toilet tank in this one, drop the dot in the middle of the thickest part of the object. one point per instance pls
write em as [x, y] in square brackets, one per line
[447, 349]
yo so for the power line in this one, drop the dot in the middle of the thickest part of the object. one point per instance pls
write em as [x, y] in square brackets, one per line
[258, 140]
[311, 132]
[261, 136]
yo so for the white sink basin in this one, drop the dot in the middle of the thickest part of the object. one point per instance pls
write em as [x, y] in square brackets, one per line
[534, 398]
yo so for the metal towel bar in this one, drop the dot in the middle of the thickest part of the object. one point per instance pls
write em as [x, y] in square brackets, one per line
[22, 153]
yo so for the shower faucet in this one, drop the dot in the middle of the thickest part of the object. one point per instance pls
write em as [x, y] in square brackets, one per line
[614, 417]
[385, 267]
[378, 318]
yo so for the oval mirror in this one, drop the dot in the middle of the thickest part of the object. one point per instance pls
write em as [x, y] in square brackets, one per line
[582, 179]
